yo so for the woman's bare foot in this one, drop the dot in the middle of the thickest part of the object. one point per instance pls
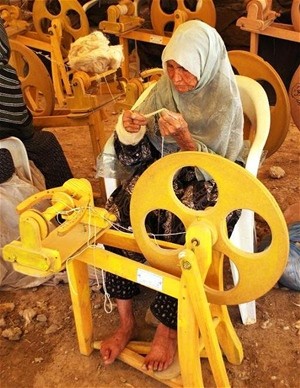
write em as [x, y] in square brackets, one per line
[113, 346]
[163, 349]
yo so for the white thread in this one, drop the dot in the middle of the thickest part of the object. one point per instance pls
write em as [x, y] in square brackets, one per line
[147, 115]
[122, 9]
[154, 235]
[109, 89]
[116, 226]
[107, 300]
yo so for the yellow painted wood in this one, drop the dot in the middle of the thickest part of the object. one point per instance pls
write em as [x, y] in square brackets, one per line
[204, 325]
[46, 252]
[128, 27]
[251, 65]
[160, 19]
[188, 340]
[140, 347]
[40, 11]
[202, 313]
[32, 86]
[227, 336]
[199, 239]
[127, 241]
[136, 361]
[131, 355]
[128, 269]
[42, 92]
[263, 268]
[80, 295]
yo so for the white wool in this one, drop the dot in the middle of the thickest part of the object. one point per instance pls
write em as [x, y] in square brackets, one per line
[93, 54]
[116, 56]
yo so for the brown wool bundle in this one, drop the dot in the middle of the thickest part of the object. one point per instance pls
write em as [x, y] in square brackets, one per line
[93, 54]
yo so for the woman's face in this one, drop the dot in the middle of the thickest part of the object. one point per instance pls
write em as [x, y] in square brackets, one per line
[181, 78]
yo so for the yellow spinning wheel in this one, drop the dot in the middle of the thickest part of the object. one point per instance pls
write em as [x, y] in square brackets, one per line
[253, 66]
[70, 13]
[60, 23]
[204, 10]
[204, 326]
[257, 272]
[38, 91]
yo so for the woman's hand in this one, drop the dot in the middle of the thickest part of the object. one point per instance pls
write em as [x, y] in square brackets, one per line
[132, 121]
[173, 124]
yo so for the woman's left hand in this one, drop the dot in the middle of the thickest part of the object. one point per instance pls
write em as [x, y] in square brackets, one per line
[173, 124]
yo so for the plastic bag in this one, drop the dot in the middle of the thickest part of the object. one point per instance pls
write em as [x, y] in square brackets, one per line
[13, 192]
[108, 165]
[291, 275]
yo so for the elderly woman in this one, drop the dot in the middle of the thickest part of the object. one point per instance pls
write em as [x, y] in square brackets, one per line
[203, 113]
[16, 120]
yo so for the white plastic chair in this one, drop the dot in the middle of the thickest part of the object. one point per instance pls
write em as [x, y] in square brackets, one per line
[18, 153]
[257, 109]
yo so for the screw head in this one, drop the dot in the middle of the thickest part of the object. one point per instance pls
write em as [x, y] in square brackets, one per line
[186, 264]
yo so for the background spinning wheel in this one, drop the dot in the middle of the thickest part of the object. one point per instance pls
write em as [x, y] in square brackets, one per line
[295, 14]
[9, 13]
[37, 90]
[253, 66]
[258, 272]
[294, 95]
[71, 14]
[204, 10]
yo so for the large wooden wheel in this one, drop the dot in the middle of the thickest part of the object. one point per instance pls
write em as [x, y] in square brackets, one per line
[70, 12]
[294, 94]
[253, 66]
[35, 80]
[258, 272]
[204, 10]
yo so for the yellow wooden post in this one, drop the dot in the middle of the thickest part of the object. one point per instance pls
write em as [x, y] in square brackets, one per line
[227, 336]
[188, 340]
[196, 292]
[80, 295]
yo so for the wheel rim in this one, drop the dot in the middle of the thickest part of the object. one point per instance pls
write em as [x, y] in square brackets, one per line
[159, 19]
[253, 66]
[38, 91]
[262, 269]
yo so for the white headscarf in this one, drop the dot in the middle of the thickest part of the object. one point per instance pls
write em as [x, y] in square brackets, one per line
[213, 110]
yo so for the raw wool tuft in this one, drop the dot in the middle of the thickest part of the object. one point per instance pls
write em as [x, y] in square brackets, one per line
[93, 54]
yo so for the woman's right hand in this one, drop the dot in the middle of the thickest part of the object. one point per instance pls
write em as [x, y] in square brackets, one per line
[132, 121]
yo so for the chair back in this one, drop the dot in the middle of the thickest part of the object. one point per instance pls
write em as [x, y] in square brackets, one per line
[257, 119]
[257, 126]
[18, 153]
